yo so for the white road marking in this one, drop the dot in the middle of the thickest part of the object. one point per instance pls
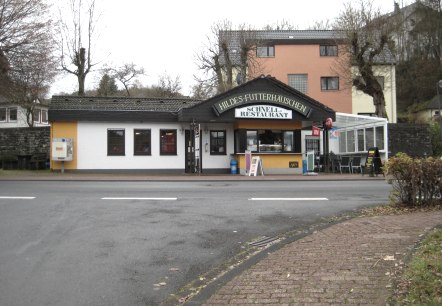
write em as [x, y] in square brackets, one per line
[18, 198]
[288, 199]
[142, 199]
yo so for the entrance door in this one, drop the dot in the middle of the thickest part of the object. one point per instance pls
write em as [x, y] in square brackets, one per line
[193, 153]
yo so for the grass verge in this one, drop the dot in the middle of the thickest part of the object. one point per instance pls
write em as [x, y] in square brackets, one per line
[421, 282]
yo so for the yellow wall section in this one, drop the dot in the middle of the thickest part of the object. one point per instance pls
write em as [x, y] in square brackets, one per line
[273, 161]
[65, 130]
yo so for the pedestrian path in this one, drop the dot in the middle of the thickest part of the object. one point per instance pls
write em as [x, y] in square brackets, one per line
[350, 263]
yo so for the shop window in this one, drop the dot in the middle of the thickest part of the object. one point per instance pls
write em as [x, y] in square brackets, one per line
[369, 138]
[298, 82]
[361, 140]
[329, 83]
[142, 143]
[36, 113]
[380, 138]
[267, 141]
[270, 141]
[218, 143]
[351, 141]
[289, 145]
[115, 142]
[331, 50]
[168, 142]
[44, 116]
[343, 142]
[265, 51]
[2, 114]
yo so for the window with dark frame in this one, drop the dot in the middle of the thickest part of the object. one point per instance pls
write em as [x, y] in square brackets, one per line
[168, 142]
[265, 51]
[329, 83]
[218, 143]
[328, 50]
[44, 116]
[13, 114]
[2, 114]
[142, 142]
[36, 115]
[115, 142]
[298, 82]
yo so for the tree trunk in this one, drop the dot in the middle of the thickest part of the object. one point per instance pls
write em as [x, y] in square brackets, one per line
[81, 64]
[379, 104]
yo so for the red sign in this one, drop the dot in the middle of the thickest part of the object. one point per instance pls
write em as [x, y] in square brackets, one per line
[316, 131]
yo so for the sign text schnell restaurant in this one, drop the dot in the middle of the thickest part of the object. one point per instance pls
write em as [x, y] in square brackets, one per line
[282, 100]
[263, 111]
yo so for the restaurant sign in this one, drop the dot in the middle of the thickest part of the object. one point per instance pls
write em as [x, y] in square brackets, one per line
[263, 112]
[262, 97]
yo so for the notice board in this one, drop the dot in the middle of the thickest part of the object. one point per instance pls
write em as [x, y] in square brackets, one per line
[256, 166]
[373, 163]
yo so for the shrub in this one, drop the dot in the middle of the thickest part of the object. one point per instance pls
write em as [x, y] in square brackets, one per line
[416, 181]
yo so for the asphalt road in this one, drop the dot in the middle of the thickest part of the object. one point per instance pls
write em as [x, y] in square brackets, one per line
[135, 243]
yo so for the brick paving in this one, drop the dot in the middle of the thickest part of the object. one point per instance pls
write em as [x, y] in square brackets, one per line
[349, 263]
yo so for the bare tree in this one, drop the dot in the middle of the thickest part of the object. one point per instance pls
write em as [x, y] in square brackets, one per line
[76, 42]
[168, 87]
[26, 52]
[367, 40]
[127, 74]
[228, 58]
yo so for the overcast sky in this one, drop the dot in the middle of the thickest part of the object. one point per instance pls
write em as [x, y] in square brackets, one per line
[163, 36]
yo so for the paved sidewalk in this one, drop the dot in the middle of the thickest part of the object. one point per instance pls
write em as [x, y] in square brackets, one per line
[140, 176]
[349, 263]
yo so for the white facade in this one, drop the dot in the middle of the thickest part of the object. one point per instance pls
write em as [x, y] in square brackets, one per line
[92, 147]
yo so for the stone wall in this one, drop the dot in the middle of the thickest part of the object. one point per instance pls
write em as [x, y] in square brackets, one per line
[412, 139]
[24, 148]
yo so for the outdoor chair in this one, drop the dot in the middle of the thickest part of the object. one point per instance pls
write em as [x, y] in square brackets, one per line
[334, 162]
[356, 164]
[345, 164]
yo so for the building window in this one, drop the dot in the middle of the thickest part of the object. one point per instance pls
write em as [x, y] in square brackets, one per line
[168, 145]
[44, 116]
[351, 141]
[115, 142]
[217, 142]
[329, 83]
[380, 137]
[2, 114]
[13, 114]
[36, 115]
[298, 82]
[142, 142]
[361, 140]
[265, 51]
[328, 50]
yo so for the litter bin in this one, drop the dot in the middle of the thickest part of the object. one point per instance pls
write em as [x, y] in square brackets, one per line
[233, 166]
[304, 166]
